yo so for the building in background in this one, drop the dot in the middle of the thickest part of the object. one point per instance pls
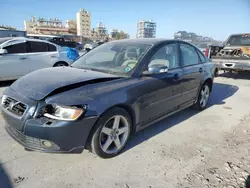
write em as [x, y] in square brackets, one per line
[71, 25]
[79, 29]
[49, 26]
[101, 29]
[11, 32]
[83, 23]
[146, 29]
[100, 32]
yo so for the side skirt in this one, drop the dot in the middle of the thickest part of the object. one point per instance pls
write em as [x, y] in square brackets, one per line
[146, 124]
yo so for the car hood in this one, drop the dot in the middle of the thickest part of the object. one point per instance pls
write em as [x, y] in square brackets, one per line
[41, 83]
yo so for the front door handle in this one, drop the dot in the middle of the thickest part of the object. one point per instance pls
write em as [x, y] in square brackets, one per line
[201, 70]
[23, 58]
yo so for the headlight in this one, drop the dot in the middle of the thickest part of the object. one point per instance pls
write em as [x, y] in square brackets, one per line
[64, 112]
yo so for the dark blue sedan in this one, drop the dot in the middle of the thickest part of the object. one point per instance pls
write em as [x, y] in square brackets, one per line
[109, 93]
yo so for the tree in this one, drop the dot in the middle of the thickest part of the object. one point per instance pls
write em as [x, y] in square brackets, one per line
[8, 27]
[120, 35]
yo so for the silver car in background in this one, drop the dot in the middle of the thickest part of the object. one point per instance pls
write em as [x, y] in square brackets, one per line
[20, 56]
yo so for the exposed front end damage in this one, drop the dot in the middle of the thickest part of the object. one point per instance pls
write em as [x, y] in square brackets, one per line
[235, 52]
[234, 55]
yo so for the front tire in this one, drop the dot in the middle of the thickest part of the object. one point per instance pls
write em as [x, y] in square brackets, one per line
[111, 133]
[203, 97]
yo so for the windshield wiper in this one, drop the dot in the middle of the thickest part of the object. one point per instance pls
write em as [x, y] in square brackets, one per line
[92, 69]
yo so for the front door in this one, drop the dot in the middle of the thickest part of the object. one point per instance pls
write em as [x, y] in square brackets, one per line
[163, 90]
[14, 64]
[193, 73]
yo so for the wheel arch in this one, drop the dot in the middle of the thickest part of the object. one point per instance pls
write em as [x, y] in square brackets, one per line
[209, 81]
[64, 62]
[125, 107]
[129, 109]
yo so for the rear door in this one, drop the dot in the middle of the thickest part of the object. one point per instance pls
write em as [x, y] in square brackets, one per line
[193, 72]
[162, 91]
[42, 55]
[14, 64]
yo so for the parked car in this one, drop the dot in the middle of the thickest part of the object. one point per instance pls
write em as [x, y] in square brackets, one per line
[112, 91]
[234, 55]
[19, 56]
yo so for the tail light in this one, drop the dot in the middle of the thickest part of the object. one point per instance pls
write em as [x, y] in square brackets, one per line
[206, 52]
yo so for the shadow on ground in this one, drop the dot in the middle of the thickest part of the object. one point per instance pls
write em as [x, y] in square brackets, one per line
[236, 75]
[219, 93]
[4, 178]
[248, 182]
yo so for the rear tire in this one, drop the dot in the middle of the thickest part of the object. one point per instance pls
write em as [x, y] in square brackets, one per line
[216, 72]
[203, 97]
[61, 64]
[111, 133]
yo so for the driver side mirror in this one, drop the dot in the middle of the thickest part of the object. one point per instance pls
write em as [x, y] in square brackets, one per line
[156, 69]
[3, 51]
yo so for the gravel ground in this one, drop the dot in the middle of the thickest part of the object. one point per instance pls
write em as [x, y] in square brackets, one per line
[190, 149]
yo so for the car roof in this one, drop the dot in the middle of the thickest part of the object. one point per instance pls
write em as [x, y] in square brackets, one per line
[7, 40]
[149, 41]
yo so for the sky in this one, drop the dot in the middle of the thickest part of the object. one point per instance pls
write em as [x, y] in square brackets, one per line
[213, 18]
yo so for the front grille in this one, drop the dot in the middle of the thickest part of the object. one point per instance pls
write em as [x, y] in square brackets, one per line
[14, 106]
[30, 142]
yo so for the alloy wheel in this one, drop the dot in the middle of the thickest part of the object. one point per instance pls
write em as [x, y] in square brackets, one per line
[114, 134]
[205, 92]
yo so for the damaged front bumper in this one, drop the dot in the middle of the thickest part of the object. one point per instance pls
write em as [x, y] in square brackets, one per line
[44, 134]
[51, 136]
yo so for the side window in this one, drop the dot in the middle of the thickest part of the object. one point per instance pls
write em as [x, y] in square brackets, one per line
[189, 55]
[38, 46]
[202, 57]
[16, 48]
[166, 56]
[52, 48]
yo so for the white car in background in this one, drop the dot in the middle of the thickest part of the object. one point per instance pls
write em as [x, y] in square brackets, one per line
[20, 56]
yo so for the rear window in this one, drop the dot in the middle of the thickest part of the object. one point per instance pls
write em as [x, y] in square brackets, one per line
[38, 46]
[52, 48]
[239, 40]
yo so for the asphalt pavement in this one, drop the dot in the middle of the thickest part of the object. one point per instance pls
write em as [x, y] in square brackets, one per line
[158, 156]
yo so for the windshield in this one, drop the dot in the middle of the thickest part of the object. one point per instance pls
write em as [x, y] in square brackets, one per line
[114, 58]
[239, 40]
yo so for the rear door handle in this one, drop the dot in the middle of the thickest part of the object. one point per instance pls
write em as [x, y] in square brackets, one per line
[23, 58]
[201, 70]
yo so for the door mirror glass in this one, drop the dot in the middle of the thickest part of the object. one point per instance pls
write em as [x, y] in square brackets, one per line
[3, 51]
[157, 69]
